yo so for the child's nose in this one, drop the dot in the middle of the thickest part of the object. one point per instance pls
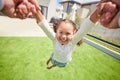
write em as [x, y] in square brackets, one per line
[63, 36]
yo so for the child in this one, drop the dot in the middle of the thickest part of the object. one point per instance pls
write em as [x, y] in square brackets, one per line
[55, 27]
[64, 38]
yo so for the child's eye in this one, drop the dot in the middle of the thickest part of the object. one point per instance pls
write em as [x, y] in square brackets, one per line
[60, 32]
[67, 33]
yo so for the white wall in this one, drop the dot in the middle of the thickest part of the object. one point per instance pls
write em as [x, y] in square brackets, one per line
[44, 2]
[52, 9]
[52, 5]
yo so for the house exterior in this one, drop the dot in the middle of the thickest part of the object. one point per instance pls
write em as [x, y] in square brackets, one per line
[48, 8]
[84, 7]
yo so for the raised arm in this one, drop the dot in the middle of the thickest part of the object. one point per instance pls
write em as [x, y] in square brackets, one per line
[42, 22]
[85, 27]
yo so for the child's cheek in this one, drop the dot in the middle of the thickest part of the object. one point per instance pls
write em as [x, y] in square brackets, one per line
[70, 37]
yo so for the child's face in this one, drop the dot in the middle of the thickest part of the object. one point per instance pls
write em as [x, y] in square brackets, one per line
[65, 32]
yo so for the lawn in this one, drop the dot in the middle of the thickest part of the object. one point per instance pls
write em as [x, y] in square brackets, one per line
[24, 58]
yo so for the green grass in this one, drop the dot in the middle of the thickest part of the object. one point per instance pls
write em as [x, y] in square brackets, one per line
[24, 58]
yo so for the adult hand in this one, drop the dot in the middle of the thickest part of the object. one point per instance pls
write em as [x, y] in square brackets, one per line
[108, 12]
[26, 8]
[113, 16]
[10, 8]
[117, 2]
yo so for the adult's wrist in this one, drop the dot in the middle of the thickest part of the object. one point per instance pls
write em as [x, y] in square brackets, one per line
[1, 4]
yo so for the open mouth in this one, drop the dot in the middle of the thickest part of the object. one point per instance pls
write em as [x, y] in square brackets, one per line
[63, 41]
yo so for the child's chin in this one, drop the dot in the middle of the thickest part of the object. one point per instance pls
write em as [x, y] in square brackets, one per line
[63, 43]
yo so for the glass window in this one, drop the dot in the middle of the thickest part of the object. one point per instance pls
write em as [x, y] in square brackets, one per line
[69, 8]
[44, 10]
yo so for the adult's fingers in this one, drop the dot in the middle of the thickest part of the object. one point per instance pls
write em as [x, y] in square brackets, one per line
[19, 15]
[19, 12]
[116, 2]
[110, 20]
[115, 21]
[34, 2]
[105, 19]
[109, 6]
[33, 9]
[100, 8]
[24, 10]
[105, 0]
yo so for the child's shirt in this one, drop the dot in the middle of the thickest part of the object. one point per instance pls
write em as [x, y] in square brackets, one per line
[63, 53]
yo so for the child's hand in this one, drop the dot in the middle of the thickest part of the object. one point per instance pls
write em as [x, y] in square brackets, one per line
[29, 10]
[38, 16]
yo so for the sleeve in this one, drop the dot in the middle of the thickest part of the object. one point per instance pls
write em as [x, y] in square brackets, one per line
[47, 29]
[85, 27]
[1, 4]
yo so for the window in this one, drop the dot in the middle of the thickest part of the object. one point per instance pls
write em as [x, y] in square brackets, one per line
[44, 10]
[69, 7]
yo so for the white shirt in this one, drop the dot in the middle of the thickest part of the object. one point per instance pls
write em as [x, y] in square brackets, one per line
[63, 53]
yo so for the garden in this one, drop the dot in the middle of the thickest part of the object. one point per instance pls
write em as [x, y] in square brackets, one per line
[24, 58]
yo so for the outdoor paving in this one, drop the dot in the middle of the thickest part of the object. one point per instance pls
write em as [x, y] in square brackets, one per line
[18, 27]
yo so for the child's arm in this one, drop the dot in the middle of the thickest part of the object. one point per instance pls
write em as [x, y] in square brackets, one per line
[84, 28]
[42, 22]
[95, 17]
[39, 17]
